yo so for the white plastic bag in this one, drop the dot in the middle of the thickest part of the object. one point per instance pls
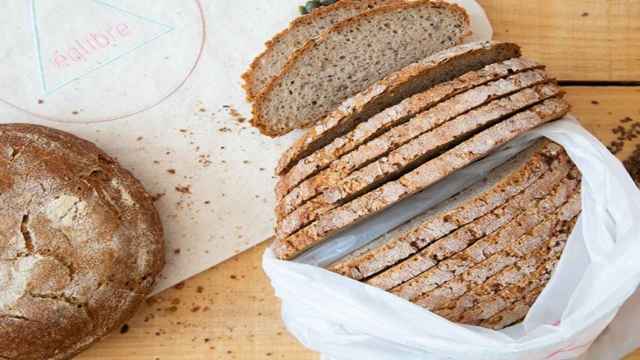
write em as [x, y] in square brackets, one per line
[599, 270]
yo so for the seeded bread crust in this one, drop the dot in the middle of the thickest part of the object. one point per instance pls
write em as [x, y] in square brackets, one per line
[506, 181]
[268, 114]
[502, 226]
[407, 152]
[82, 243]
[524, 224]
[299, 31]
[447, 294]
[513, 283]
[393, 116]
[425, 175]
[370, 153]
[420, 76]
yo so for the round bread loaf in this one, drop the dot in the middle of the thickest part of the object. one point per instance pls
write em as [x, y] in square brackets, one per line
[81, 244]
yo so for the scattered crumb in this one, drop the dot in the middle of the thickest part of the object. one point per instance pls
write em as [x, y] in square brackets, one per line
[124, 329]
[139, 138]
[179, 286]
[224, 130]
[184, 189]
[200, 289]
[585, 14]
[177, 251]
[40, 101]
[75, 112]
[233, 277]
[595, 102]
[171, 171]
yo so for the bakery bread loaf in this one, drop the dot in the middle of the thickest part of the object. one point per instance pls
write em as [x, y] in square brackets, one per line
[446, 123]
[279, 49]
[352, 55]
[81, 244]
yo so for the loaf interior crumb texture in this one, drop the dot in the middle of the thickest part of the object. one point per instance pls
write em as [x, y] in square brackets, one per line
[394, 88]
[81, 243]
[304, 28]
[352, 56]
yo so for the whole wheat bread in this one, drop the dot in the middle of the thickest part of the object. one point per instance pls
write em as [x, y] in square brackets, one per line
[496, 189]
[427, 174]
[393, 116]
[395, 87]
[352, 55]
[400, 135]
[278, 50]
[411, 154]
[506, 223]
[527, 223]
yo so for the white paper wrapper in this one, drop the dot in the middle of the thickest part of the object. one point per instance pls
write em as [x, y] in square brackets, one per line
[598, 272]
[156, 83]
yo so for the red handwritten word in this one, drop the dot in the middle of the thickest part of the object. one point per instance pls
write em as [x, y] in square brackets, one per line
[90, 44]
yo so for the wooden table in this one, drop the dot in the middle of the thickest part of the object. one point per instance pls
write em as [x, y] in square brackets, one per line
[230, 312]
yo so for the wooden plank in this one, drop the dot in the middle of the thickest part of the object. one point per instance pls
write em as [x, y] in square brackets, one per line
[230, 312]
[577, 39]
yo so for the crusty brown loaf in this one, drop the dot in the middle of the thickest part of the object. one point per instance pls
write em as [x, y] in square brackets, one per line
[401, 148]
[352, 55]
[425, 175]
[303, 28]
[535, 167]
[393, 116]
[433, 118]
[502, 226]
[81, 243]
[392, 89]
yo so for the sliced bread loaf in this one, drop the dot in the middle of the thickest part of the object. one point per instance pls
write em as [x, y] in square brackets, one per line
[398, 151]
[527, 223]
[503, 226]
[393, 116]
[395, 87]
[427, 174]
[400, 135]
[352, 55]
[500, 186]
[278, 50]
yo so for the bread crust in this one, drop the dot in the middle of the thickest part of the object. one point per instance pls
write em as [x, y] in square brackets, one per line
[539, 164]
[374, 201]
[258, 119]
[393, 116]
[375, 96]
[249, 76]
[81, 237]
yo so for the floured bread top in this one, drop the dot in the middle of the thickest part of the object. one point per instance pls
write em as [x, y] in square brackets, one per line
[81, 244]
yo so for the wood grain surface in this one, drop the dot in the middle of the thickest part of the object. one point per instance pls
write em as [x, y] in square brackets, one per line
[230, 311]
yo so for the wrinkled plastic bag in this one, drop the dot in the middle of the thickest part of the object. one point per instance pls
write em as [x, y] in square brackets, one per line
[598, 271]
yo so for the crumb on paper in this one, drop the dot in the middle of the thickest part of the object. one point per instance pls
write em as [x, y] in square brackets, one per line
[171, 171]
[184, 189]
[224, 129]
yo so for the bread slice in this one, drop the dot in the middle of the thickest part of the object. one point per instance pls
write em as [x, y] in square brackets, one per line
[395, 87]
[411, 277]
[409, 184]
[353, 55]
[538, 166]
[400, 135]
[278, 50]
[399, 150]
[447, 294]
[393, 116]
